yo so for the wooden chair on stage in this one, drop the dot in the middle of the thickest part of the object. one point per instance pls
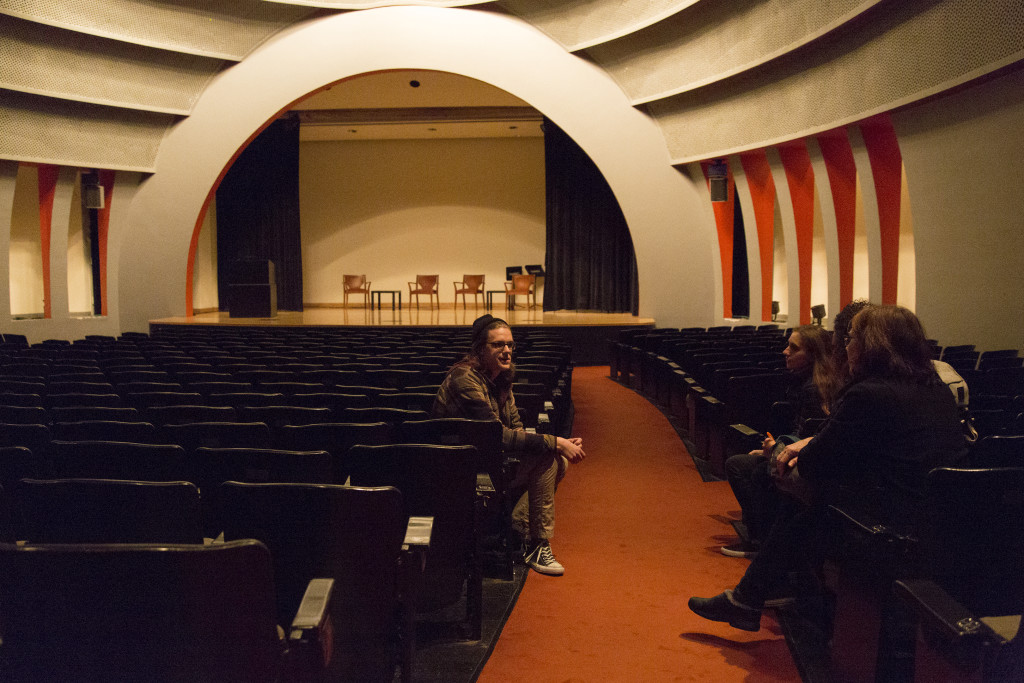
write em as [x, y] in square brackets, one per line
[357, 284]
[471, 284]
[425, 284]
[522, 285]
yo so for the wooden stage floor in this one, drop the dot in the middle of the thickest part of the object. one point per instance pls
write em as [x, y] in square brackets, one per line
[412, 317]
[588, 332]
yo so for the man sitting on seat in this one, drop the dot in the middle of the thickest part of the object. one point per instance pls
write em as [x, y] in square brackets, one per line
[479, 387]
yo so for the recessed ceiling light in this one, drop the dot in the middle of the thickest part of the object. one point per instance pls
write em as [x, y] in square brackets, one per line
[414, 84]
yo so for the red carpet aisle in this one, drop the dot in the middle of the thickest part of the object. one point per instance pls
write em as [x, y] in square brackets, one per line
[638, 532]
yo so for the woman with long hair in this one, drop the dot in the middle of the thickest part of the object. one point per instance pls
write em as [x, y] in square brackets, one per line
[808, 355]
[891, 424]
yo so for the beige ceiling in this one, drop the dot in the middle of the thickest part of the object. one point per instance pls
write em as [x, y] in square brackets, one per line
[415, 104]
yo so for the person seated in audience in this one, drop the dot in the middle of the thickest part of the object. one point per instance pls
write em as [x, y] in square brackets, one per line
[809, 358]
[892, 423]
[480, 387]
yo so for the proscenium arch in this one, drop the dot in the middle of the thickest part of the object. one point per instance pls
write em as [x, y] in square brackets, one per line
[671, 229]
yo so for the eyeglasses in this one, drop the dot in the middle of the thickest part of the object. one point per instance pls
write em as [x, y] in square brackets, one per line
[499, 345]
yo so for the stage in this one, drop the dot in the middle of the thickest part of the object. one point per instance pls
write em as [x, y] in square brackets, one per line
[588, 332]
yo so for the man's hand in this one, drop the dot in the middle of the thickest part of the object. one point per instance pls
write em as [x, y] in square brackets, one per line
[572, 448]
[786, 460]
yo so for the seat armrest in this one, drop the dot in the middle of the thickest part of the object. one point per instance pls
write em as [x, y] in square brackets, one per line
[417, 533]
[484, 484]
[869, 526]
[310, 638]
[940, 613]
[544, 425]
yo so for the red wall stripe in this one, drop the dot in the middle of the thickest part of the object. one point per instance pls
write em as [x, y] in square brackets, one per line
[106, 179]
[842, 178]
[47, 188]
[724, 221]
[762, 194]
[800, 178]
[886, 166]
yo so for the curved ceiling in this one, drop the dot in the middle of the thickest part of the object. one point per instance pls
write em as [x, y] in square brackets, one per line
[97, 83]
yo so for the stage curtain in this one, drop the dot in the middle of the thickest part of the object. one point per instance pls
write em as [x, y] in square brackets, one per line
[258, 212]
[590, 264]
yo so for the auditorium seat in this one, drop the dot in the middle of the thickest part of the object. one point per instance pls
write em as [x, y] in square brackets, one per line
[117, 460]
[335, 438]
[104, 430]
[970, 597]
[107, 511]
[115, 612]
[353, 535]
[83, 413]
[193, 435]
[380, 414]
[439, 482]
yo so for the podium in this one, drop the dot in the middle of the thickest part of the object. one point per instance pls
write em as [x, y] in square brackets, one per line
[253, 289]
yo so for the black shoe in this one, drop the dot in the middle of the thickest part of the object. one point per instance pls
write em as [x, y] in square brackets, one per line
[741, 549]
[723, 607]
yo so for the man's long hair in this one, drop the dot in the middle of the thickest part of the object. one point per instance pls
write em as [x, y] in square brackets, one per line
[892, 344]
[503, 382]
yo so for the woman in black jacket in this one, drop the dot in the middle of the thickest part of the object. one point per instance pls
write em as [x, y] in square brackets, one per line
[891, 424]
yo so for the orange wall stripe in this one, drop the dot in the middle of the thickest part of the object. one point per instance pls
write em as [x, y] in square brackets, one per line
[106, 179]
[724, 221]
[886, 166]
[800, 178]
[762, 194]
[47, 188]
[842, 179]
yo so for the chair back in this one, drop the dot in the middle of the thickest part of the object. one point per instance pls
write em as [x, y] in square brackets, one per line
[426, 284]
[523, 284]
[973, 536]
[138, 612]
[353, 535]
[118, 460]
[473, 283]
[485, 435]
[438, 481]
[354, 282]
[104, 430]
[108, 511]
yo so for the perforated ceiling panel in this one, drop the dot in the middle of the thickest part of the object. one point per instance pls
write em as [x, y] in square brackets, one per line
[913, 49]
[370, 4]
[34, 128]
[41, 59]
[711, 41]
[228, 29]
[578, 24]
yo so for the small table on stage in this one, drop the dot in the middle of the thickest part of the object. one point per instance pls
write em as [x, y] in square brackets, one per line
[376, 294]
[489, 297]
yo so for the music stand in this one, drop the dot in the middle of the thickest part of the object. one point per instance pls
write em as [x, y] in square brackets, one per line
[512, 270]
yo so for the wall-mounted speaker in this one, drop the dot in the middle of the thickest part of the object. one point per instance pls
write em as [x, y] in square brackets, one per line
[93, 197]
[719, 189]
[718, 179]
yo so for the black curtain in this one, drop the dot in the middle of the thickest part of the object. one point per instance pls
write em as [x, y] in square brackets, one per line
[590, 261]
[258, 212]
[740, 274]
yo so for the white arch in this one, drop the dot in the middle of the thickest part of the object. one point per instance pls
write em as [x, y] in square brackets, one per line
[674, 241]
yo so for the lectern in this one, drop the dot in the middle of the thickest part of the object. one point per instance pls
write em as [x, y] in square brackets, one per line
[253, 289]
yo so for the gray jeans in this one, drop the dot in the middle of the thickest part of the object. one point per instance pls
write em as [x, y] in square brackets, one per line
[533, 516]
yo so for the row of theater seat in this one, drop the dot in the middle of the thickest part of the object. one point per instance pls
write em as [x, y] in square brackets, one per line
[957, 574]
[726, 393]
[450, 471]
